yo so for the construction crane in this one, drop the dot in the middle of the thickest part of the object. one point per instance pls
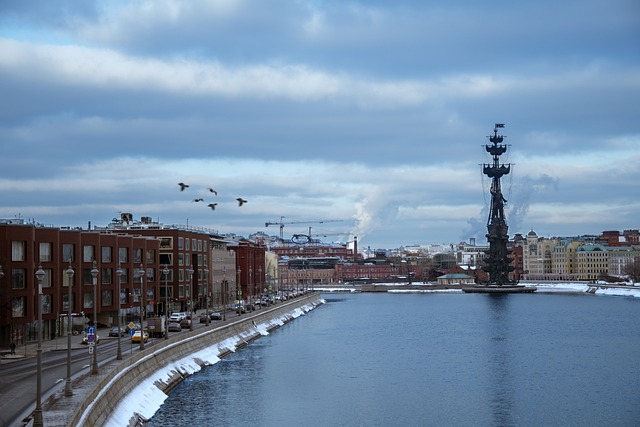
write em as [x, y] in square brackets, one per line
[311, 221]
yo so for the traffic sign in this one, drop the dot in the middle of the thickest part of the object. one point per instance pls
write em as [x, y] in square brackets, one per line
[90, 350]
[131, 332]
[131, 325]
[91, 330]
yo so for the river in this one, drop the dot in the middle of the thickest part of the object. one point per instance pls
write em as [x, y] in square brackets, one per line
[429, 360]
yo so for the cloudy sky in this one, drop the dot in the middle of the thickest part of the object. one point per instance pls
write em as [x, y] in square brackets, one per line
[369, 113]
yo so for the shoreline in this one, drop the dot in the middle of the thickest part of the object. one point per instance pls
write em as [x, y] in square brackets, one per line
[569, 288]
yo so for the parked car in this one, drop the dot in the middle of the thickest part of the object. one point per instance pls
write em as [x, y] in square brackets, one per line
[174, 327]
[240, 308]
[204, 318]
[178, 316]
[116, 332]
[216, 316]
[185, 323]
[137, 334]
[85, 339]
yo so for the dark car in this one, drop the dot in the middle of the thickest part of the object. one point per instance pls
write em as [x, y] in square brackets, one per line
[115, 332]
[216, 316]
[185, 323]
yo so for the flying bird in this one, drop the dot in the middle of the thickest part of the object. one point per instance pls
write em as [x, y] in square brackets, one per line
[212, 206]
[183, 186]
[198, 200]
[241, 201]
[211, 190]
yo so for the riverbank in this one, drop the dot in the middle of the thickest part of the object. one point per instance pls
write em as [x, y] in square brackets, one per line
[542, 287]
[129, 390]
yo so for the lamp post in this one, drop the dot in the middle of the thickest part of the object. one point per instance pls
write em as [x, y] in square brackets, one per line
[120, 273]
[190, 271]
[206, 289]
[165, 272]
[225, 291]
[37, 415]
[238, 286]
[94, 274]
[140, 273]
[68, 391]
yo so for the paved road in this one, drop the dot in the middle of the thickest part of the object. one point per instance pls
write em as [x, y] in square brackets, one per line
[18, 373]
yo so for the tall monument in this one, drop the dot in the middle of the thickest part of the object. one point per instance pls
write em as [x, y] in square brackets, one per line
[497, 263]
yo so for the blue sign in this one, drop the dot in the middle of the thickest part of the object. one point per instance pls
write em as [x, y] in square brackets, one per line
[91, 330]
[131, 332]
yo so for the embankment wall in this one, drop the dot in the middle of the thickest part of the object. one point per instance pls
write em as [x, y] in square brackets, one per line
[98, 405]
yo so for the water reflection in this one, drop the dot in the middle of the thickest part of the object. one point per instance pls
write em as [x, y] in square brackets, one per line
[500, 353]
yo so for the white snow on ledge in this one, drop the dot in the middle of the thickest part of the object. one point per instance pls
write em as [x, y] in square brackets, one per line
[146, 398]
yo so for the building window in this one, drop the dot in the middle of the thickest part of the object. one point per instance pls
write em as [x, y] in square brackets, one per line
[180, 243]
[123, 296]
[45, 251]
[187, 244]
[87, 301]
[18, 250]
[107, 298]
[18, 276]
[123, 255]
[166, 259]
[151, 275]
[124, 278]
[107, 253]
[107, 276]
[68, 251]
[137, 256]
[88, 253]
[87, 278]
[181, 291]
[151, 256]
[166, 242]
[181, 259]
[19, 307]
[46, 304]
[46, 280]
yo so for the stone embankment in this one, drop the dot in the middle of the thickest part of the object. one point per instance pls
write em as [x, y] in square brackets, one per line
[98, 404]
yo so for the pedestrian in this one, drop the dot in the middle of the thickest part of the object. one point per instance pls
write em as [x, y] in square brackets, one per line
[13, 348]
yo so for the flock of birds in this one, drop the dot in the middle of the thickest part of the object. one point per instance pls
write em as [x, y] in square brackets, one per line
[184, 186]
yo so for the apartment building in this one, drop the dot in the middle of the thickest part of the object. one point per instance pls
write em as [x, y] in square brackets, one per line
[70, 257]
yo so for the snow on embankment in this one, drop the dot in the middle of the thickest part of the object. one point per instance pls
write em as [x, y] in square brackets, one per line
[145, 397]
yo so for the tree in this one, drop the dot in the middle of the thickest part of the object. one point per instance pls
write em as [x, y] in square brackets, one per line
[632, 269]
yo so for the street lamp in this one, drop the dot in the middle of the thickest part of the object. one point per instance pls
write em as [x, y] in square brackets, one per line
[165, 272]
[206, 289]
[140, 273]
[190, 271]
[94, 274]
[37, 415]
[68, 391]
[225, 292]
[120, 273]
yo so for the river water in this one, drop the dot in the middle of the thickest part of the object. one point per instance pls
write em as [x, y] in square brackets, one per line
[429, 360]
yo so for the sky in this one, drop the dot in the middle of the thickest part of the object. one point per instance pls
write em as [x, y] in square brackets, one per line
[371, 114]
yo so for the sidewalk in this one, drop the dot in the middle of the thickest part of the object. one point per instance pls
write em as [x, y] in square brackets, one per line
[31, 348]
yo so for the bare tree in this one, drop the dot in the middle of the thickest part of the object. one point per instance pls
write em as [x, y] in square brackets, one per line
[632, 269]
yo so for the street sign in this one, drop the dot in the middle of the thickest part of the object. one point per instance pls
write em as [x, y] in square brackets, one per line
[91, 330]
[90, 350]
[131, 332]
[131, 325]
[91, 343]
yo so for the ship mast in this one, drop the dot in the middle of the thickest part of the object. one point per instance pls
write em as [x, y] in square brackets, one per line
[497, 262]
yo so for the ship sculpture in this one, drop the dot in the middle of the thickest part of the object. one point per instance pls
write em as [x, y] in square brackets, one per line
[497, 263]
